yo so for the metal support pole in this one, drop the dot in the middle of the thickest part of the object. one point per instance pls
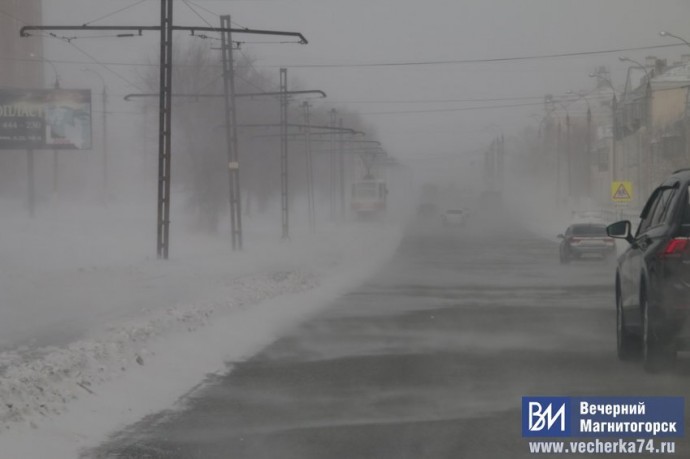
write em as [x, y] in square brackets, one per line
[568, 159]
[588, 157]
[332, 164]
[558, 164]
[164, 130]
[55, 153]
[614, 108]
[231, 134]
[341, 167]
[311, 206]
[30, 182]
[284, 198]
[104, 144]
[55, 175]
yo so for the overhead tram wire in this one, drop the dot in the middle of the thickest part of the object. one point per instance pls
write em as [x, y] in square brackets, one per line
[186, 3]
[460, 109]
[445, 101]
[13, 17]
[468, 61]
[115, 12]
[214, 13]
[479, 61]
[104, 66]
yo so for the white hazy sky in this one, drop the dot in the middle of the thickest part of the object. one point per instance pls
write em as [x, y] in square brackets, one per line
[385, 31]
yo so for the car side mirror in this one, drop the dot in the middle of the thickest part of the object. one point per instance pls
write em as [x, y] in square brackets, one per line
[621, 230]
[560, 236]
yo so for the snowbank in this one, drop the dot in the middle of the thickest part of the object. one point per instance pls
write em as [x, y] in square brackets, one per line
[127, 335]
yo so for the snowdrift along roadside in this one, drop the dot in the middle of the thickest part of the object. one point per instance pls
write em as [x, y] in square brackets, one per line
[58, 399]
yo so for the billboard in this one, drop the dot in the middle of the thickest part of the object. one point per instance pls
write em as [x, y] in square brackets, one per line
[45, 119]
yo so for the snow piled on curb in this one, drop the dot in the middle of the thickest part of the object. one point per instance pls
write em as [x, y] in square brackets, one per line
[43, 381]
[110, 337]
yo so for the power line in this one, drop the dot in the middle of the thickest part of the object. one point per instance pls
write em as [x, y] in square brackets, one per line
[462, 109]
[12, 17]
[196, 13]
[479, 61]
[115, 12]
[95, 61]
[214, 13]
[443, 101]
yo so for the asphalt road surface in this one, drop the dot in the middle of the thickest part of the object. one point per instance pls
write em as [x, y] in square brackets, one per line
[429, 359]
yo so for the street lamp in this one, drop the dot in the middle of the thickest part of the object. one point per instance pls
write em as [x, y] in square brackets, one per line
[637, 65]
[104, 132]
[589, 138]
[669, 34]
[567, 146]
[614, 108]
[56, 85]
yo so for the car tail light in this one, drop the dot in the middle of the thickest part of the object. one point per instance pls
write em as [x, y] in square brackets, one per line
[676, 247]
[574, 239]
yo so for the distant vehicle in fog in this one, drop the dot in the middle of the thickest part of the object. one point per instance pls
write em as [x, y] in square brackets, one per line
[585, 239]
[653, 277]
[369, 197]
[454, 217]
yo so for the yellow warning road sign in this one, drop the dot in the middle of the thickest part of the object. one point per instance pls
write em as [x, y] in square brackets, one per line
[621, 191]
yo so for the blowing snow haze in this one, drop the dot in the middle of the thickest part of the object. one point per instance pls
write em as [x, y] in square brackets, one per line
[360, 244]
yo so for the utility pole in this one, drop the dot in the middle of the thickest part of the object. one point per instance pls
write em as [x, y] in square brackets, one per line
[341, 168]
[104, 134]
[104, 142]
[30, 181]
[309, 168]
[284, 198]
[164, 132]
[332, 163]
[558, 164]
[55, 155]
[231, 134]
[166, 28]
[568, 159]
[614, 130]
[588, 161]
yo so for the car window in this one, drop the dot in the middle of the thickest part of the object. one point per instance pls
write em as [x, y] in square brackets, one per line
[662, 208]
[648, 212]
[684, 213]
[589, 230]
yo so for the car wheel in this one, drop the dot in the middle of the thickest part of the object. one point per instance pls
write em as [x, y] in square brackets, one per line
[627, 346]
[656, 355]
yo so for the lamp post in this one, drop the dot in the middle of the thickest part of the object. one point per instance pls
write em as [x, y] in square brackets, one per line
[614, 108]
[588, 147]
[677, 37]
[669, 34]
[104, 133]
[567, 142]
[56, 85]
[637, 65]
[647, 92]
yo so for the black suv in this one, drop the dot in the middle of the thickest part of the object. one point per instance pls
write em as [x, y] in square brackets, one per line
[653, 277]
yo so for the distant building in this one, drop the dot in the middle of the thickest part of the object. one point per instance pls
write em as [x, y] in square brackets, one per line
[16, 70]
[20, 67]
